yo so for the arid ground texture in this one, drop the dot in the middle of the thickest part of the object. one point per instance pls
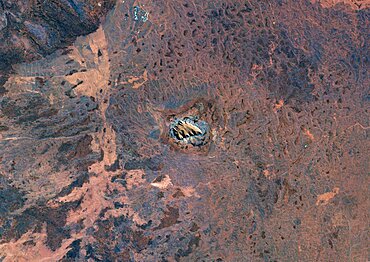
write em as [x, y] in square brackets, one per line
[184, 130]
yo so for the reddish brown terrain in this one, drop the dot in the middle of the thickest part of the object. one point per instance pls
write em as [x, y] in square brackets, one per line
[167, 130]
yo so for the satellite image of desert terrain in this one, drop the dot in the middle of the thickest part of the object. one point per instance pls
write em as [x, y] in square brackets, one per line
[184, 130]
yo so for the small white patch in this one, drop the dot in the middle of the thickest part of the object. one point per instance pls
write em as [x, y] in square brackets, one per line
[166, 182]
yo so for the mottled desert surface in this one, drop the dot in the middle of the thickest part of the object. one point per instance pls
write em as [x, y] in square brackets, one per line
[195, 130]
